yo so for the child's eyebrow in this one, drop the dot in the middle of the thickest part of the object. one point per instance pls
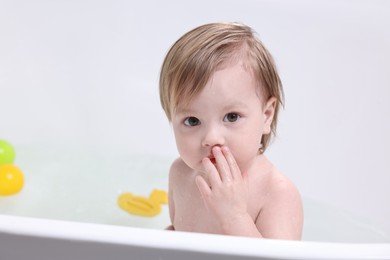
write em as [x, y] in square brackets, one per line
[183, 110]
[235, 105]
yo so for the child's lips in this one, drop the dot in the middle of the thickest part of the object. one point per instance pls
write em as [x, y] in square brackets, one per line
[212, 159]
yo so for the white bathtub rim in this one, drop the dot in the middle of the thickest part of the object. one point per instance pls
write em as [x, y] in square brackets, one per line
[216, 244]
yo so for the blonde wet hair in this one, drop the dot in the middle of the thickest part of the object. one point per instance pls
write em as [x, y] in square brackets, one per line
[194, 57]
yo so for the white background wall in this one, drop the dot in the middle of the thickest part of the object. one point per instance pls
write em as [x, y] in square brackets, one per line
[86, 73]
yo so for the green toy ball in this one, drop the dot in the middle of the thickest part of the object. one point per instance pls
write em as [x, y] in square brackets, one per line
[7, 153]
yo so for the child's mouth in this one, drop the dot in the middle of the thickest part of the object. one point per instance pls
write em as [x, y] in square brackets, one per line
[212, 159]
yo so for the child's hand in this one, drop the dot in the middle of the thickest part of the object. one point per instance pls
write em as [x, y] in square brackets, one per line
[226, 193]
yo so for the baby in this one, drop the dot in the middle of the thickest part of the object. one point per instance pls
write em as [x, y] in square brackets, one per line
[220, 90]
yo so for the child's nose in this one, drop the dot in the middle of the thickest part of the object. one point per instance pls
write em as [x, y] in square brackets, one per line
[213, 136]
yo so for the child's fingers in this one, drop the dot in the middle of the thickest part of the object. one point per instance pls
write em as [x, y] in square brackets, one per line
[222, 165]
[234, 169]
[203, 187]
[211, 171]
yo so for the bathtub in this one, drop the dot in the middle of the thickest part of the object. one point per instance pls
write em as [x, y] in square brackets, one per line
[72, 214]
[79, 102]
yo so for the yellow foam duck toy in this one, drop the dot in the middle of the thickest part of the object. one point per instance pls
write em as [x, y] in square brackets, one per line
[142, 206]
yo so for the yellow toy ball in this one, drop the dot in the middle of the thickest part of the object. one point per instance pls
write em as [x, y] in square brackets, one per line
[11, 179]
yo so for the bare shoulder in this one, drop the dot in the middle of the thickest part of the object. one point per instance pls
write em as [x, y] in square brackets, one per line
[282, 214]
[178, 171]
[284, 195]
[275, 184]
[177, 167]
[282, 187]
[178, 164]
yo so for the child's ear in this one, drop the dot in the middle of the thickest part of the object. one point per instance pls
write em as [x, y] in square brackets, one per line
[269, 112]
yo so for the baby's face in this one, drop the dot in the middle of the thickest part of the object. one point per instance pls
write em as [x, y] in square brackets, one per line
[228, 111]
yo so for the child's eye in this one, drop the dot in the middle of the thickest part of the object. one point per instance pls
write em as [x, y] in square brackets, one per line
[191, 121]
[231, 117]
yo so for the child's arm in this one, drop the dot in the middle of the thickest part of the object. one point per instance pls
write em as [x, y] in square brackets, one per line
[170, 227]
[171, 201]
